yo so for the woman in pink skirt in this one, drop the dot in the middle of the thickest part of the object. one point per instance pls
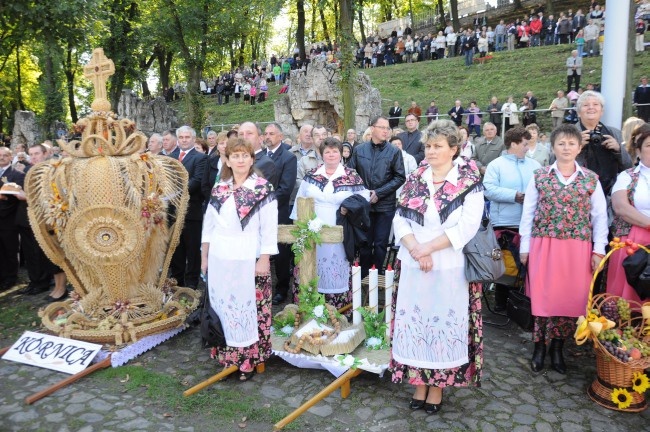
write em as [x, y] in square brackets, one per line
[631, 203]
[563, 237]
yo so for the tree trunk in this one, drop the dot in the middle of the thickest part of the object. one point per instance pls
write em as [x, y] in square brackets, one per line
[453, 5]
[362, 28]
[69, 77]
[164, 66]
[314, 6]
[144, 64]
[240, 57]
[441, 12]
[193, 99]
[50, 85]
[550, 10]
[348, 70]
[517, 4]
[300, 30]
[326, 33]
[19, 89]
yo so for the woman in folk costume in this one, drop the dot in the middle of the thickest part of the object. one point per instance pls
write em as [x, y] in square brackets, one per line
[437, 328]
[240, 233]
[631, 203]
[563, 237]
[329, 185]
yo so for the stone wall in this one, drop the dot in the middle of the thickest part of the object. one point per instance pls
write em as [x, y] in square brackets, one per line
[149, 115]
[26, 129]
[315, 97]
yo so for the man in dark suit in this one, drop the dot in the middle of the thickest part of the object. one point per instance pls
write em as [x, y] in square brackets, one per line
[212, 143]
[8, 231]
[411, 138]
[263, 163]
[286, 165]
[642, 99]
[394, 114]
[186, 261]
[456, 113]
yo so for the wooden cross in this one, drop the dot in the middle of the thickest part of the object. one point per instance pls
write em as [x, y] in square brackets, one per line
[328, 235]
[97, 71]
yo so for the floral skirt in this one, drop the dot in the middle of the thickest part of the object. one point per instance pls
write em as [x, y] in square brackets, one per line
[460, 376]
[557, 327]
[250, 356]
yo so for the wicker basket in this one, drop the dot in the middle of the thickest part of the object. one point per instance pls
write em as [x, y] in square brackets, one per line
[612, 373]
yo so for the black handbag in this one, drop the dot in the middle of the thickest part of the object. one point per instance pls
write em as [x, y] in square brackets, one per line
[518, 305]
[211, 328]
[637, 272]
[483, 259]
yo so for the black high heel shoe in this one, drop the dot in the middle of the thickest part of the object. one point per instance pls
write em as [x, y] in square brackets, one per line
[431, 408]
[417, 404]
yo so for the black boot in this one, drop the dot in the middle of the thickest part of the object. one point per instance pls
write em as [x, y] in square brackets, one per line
[555, 351]
[537, 363]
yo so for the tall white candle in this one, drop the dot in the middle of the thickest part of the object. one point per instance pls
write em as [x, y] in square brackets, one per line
[388, 302]
[356, 293]
[373, 289]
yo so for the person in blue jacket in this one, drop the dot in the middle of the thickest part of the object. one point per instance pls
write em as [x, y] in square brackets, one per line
[505, 181]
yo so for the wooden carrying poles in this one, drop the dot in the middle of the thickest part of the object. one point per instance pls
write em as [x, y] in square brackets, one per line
[343, 382]
[48, 391]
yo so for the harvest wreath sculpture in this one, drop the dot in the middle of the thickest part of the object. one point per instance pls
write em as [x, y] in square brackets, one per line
[104, 214]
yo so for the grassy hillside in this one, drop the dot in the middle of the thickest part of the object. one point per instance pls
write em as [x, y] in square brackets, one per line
[540, 70]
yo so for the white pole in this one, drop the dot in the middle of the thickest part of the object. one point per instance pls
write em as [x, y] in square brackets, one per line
[615, 61]
[373, 289]
[388, 301]
[356, 293]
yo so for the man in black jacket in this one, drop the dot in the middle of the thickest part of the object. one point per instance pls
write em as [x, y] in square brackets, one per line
[381, 167]
[186, 262]
[411, 138]
[286, 166]
[8, 231]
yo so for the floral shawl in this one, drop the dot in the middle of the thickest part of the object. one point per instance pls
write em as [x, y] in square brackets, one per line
[414, 199]
[247, 201]
[348, 181]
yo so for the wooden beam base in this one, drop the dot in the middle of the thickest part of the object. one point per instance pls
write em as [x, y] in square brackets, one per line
[342, 382]
[218, 377]
[48, 391]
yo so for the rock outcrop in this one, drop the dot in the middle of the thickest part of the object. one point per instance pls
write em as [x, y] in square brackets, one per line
[149, 115]
[315, 97]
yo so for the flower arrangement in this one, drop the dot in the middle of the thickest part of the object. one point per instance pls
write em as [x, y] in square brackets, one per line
[375, 327]
[283, 323]
[348, 360]
[307, 234]
[311, 303]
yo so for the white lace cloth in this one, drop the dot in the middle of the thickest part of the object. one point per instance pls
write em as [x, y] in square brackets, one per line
[131, 351]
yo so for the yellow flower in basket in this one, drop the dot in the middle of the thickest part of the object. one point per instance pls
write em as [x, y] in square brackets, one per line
[622, 398]
[640, 382]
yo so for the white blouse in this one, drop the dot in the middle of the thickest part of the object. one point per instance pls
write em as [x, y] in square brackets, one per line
[642, 191]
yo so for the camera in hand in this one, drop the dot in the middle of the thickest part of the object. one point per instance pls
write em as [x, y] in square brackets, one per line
[596, 137]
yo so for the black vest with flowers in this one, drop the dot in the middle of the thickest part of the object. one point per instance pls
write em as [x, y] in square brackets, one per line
[619, 226]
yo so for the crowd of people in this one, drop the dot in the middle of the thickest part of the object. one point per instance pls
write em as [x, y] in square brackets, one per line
[428, 184]
[585, 30]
